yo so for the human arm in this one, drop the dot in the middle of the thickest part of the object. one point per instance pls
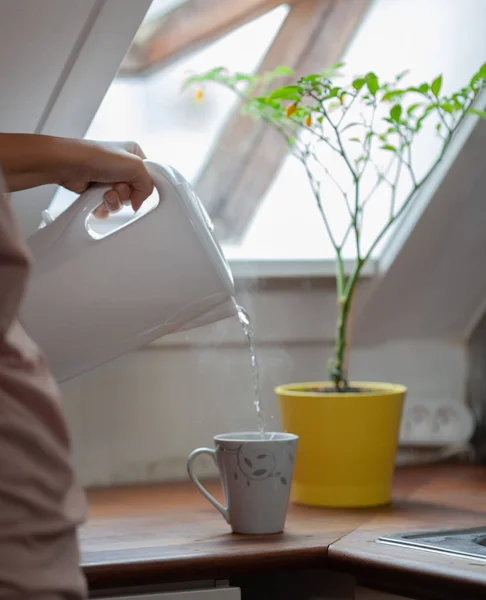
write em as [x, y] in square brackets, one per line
[31, 160]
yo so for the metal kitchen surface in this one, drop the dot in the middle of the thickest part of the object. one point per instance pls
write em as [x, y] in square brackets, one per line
[469, 543]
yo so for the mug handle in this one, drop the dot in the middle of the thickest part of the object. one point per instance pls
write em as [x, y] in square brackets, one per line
[190, 469]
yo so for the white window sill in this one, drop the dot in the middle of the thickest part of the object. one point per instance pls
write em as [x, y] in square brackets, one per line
[255, 268]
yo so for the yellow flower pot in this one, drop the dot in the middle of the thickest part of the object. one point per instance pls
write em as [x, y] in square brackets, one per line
[347, 442]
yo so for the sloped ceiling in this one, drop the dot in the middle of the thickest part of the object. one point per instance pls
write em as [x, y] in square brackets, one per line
[433, 284]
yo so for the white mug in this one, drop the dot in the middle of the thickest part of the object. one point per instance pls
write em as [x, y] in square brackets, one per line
[256, 473]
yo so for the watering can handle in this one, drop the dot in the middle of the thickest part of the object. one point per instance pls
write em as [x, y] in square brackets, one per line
[79, 211]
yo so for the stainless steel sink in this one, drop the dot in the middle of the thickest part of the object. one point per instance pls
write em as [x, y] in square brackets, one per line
[459, 542]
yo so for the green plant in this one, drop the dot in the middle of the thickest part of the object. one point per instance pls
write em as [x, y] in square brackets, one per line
[372, 127]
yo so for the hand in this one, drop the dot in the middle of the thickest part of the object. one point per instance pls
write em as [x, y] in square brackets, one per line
[29, 160]
[120, 164]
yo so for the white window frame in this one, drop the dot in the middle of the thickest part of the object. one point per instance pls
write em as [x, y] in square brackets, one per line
[109, 28]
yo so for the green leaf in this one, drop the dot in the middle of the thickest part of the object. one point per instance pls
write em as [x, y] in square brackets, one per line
[212, 75]
[372, 83]
[358, 83]
[402, 74]
[310, 78]
[289, 92]
[436, 85]
[474, 79]
[412, 108]
[243, 77]
[302, 112]
[396, 112]
[215, 72]
[478, 113]
[447, 107]
[332, 71]
[261, 101]
[389, 148]
[482, 71]
[283, 71]
[458, 101]
[392, 94]
[438, 126]
[370, 75]
[355, 139]
[424, 88]
[349, 125]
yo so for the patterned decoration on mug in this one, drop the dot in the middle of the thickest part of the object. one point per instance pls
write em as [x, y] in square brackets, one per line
[255, 464]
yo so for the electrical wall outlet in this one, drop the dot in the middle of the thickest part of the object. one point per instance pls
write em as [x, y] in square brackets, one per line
[435, 422]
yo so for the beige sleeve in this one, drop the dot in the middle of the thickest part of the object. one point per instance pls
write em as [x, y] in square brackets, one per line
[40, 502]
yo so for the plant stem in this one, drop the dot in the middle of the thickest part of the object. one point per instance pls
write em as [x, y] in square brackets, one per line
[345, 298]
[333, 179]
[355, 220]
[317, 195]
[337, 373]
[408, 200]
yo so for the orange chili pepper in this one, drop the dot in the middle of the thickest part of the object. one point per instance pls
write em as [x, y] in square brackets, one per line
[199, 95]
[308, 121]
[290, 110]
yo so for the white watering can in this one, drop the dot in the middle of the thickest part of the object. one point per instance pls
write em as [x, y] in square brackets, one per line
[92, 298]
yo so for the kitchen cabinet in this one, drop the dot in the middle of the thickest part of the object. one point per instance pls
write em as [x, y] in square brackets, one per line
[311, 585]
[211, 592]
[362, 593]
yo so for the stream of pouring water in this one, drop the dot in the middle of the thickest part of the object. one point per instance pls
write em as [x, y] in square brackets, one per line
[246, 324]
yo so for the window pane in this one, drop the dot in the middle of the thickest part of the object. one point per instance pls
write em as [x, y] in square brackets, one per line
[167, 122]
[428, 38]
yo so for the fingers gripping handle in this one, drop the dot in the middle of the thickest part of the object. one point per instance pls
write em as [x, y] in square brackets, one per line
[71, 226]
[190, 469]
[94, 196]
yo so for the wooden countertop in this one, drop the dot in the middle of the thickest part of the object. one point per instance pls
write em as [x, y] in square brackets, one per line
[143, 535]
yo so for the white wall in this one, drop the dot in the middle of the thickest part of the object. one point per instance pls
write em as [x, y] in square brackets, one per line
[137, 418]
